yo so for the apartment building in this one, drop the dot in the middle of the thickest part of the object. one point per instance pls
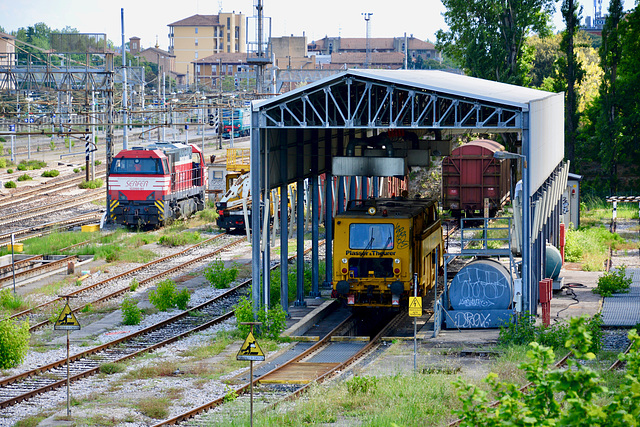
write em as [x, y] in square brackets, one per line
[200, 36]
[415, 47]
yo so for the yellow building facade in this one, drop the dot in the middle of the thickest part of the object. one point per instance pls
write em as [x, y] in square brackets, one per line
[200, 36]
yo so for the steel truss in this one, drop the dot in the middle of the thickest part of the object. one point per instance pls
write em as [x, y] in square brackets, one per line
[43, 77]
[364, 103]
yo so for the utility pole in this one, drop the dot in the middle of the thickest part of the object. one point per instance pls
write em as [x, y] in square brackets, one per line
[124, 86]
[367, 59]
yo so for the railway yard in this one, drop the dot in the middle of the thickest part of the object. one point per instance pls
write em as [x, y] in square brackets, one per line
[172, 371]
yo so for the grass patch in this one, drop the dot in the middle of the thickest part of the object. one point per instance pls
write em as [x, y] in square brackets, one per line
[590, 246]
[162, 369]
[180, 238]
[207, 215]
[154, 407]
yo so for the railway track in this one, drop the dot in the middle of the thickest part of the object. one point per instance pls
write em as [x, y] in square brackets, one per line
[10, 218]
[112, 287]
[46, 228]
[55, 184]
[294, 371]
[26, 385]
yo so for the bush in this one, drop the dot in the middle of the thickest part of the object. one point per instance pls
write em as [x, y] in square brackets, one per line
[97, 163]
[9, 170]
[181, 299]
[24, 177]
[219, 276]
[3, 163]
[571, 396]
[50, 174]
[14, 342]
[96, 183]
[76, 170]
[10, 184]
[273, 320]
[554, 336]
[131, 314]
[165, 296]
[134, 285]
[613, 282]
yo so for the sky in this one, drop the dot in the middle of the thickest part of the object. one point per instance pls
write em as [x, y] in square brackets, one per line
[149, 18]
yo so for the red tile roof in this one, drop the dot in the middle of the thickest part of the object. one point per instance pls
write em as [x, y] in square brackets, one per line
[197, 20]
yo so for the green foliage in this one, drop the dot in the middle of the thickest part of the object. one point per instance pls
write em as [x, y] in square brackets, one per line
[208, 215]
[131, 314]
[573, 396]
[76, 170]
[87, 309]
[165, 296]
[28, 165]
[590, 246]
[110, 368]
[362, 385]
[182, 298]
[244, 313]
[613, 282]
[274, 321]
[554, 336]
[219, 276]
[51, 173]
[11, 302]
[486, 38]
[180, 239]
[134, 285]
[25, 177]
[292, 275]
[10, 184]
[9, 170]
[92, 184]
[97, 163]
[14, 342]
[230, 395]
[3, 162]
[52, 145]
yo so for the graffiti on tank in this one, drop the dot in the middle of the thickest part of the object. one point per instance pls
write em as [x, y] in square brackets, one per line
[481, 288]
[466, 319]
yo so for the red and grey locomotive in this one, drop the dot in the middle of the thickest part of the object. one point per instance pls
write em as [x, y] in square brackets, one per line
[150, 185]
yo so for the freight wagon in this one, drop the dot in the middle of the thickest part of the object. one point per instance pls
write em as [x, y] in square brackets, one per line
[470, 175]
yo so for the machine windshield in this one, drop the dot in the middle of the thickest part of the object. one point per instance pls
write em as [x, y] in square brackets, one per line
[371, 236]
[136, 166]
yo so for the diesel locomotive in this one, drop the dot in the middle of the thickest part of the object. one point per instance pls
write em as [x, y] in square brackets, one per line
[378, 246]
[150, 185]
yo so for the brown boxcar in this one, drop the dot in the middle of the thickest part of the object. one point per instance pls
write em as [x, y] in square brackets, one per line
[471, 174]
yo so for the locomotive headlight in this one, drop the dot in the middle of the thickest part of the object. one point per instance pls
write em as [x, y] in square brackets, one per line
[396, 268]
[344, 260]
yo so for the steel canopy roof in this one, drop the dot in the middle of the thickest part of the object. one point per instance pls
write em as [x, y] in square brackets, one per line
[431, 80]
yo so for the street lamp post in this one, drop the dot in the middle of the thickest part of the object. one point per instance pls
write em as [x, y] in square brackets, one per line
[526, 236]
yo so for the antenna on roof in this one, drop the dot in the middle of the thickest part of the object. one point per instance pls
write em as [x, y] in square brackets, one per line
[219, 6]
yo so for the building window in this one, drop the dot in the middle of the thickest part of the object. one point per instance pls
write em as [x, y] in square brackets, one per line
[196, 30]
[196, 42]
[196, 55]
[228, 37]
[228, 49]
[214, 69]
[228, 23]
[198, 69]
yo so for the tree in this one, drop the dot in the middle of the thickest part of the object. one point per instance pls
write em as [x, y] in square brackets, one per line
[629, 85]
[487, 37]
[608, 127]
[571, 72]
[546, 53]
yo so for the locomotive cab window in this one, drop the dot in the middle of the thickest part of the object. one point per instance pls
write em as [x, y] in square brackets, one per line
[371, 236]
[136, 166]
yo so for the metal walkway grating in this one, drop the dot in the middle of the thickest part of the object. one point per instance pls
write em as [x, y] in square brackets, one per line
[624, 309]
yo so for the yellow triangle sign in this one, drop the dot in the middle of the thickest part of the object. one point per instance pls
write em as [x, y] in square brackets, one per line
[250, 350]
[415, 306]
[67, 320]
